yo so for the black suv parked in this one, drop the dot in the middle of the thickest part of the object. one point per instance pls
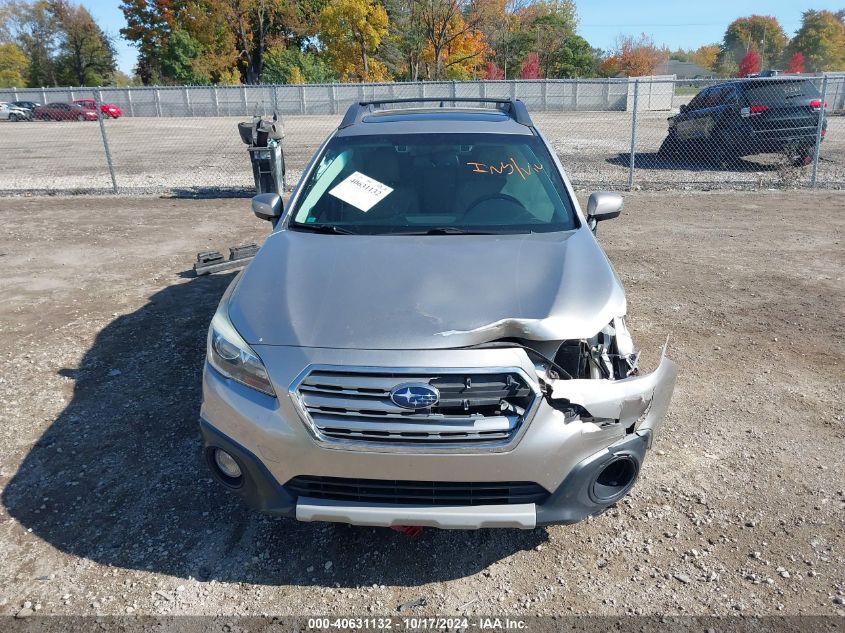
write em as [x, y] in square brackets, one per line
[745, 117]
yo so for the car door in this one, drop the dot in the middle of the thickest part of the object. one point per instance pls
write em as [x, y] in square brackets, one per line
[725, 115]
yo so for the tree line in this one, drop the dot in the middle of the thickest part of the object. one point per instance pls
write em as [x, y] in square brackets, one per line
[57, 42]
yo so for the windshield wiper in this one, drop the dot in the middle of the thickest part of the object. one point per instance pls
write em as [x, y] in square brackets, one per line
[453, 230]
[324, 228]
[446, 230]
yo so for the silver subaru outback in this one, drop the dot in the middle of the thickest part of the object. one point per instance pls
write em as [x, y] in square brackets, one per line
[431, 335]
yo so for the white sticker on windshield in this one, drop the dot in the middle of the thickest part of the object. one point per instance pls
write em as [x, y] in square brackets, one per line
[360, 191]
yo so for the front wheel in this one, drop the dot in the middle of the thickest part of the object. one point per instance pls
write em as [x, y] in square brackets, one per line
[13, 117]
[804, 157]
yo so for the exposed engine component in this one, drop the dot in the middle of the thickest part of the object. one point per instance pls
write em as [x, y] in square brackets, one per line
[609, 354]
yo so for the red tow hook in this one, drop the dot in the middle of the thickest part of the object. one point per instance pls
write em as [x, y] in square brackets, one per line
[411, 531]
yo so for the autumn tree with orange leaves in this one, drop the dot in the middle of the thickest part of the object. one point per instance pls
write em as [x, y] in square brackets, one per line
[633, 57]
[451, 35]
[216, 40]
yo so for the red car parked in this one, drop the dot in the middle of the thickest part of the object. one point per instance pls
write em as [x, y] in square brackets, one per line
[109, 109]
[63, 112]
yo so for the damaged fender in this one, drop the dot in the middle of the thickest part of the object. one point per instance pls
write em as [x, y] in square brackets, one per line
[626, 400]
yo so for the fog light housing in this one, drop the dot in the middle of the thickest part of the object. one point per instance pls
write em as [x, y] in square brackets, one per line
[615, 479]
[227, 466]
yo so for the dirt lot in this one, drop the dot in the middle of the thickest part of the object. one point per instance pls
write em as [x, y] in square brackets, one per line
[107, 508]
[206, 154]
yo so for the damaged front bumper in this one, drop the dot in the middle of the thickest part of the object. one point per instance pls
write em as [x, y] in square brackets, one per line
[583, 447]
[637, 403]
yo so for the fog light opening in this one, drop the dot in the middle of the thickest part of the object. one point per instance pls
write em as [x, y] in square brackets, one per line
[616, 478]
[227, 467]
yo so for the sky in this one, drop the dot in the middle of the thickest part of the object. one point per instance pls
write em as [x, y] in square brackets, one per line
[674, 23]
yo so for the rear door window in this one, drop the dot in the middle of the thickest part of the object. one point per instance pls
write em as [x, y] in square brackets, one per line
[727, 96]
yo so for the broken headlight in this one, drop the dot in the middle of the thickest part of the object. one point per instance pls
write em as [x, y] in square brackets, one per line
[609, 354]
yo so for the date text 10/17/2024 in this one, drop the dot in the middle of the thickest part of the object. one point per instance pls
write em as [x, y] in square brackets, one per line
[417, 624]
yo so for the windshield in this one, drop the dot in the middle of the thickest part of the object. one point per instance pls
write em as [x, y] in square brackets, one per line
[434, 183]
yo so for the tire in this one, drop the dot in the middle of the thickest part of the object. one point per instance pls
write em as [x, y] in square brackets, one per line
[13, 117]
[80, 117]
[804, 157]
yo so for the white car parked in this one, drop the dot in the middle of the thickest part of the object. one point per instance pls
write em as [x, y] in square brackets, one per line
[14, 113]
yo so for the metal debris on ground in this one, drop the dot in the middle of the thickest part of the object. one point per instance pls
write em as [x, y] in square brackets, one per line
[212, 261]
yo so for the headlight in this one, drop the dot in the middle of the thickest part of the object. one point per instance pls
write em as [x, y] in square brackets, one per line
[229, 354]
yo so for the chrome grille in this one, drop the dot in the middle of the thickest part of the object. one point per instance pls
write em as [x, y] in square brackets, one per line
[475, 407]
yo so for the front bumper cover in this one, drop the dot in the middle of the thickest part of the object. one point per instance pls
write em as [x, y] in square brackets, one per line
[564, 456]
[570, 503]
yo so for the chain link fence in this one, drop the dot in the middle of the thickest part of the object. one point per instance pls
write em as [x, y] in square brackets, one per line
[609, 134]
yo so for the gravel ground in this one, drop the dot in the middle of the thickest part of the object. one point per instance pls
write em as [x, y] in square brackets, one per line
[201, 155]
[107, 508]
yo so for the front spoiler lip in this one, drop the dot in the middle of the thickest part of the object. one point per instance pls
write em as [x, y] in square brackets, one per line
[522, 516]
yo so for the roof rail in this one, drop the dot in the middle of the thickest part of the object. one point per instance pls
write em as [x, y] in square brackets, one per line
[514, 108]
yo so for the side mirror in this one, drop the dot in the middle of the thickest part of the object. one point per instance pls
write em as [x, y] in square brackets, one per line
[684, 108]
[267, 206]
[603, 205]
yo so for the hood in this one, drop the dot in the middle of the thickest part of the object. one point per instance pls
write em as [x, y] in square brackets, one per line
[424, 292]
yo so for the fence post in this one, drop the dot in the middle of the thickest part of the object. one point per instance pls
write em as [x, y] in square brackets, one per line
[15, 93]
[633, 136]
[43, 96]
[544, 89]
[243, 100]
[188, 107]
[302, 107]
[100, 117]
[215, 101]
[157, 98]
[453, 90]
[333, 95]
[129, 99]
[819, 127]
